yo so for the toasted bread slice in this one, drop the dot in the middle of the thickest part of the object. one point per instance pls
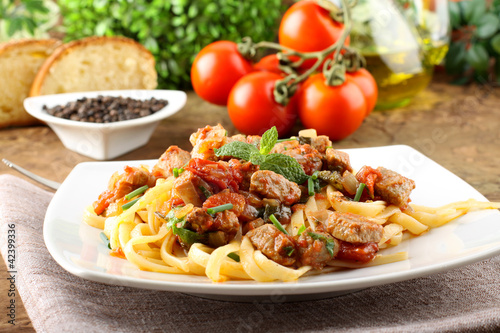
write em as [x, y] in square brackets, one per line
[20, 60]
[96, 63]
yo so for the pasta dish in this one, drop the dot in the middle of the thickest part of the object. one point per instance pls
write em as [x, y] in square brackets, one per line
[259, 208]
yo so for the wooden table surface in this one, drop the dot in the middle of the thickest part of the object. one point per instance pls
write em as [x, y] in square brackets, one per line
[458, 127]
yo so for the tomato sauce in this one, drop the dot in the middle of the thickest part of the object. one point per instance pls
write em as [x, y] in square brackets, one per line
[216, 173]
[357, 252]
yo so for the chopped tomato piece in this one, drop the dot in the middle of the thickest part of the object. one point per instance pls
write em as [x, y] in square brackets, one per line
[363, 252]
[368, 175]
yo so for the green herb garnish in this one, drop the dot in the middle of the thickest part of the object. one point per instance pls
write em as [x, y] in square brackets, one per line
[310, 186]
[129, 204]
[269, 139]
[277, 224]
[359, 191]
[220, 208]
[282, 164]
[186, 236]
[177, 171]
[286, 140]
[289, 250]
[301, 230]
[140, 190]
[329, 242]
[105, 239]
[234, 256]
[205, 191]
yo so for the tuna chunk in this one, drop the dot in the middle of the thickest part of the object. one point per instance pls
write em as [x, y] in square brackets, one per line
[227, 197]
[309, 158]
[313, 251]
[206, 139]
[225, 222]
[353, 228]
[199, 220]
[338, 160]
[121, 184]
[321, 143]
[274, 186]
[394, 188]
[188, 187]
[173, 157]
[273, 244]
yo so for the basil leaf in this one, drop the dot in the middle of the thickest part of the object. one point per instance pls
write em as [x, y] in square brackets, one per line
[487, 26]
[237, 149]
[268, 140]
[455, 15]
[477, 56]
[495, 43]
[286, 166]
[473, 10]
[455, 59]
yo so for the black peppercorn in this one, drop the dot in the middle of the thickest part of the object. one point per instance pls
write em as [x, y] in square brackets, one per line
[106, 109]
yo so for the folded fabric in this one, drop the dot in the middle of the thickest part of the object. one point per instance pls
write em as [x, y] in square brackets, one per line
[464, 299]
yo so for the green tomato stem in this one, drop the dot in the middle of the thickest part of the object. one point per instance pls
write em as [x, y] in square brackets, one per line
[333, 69]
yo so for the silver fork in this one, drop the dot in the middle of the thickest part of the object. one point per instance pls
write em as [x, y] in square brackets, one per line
[49, 183]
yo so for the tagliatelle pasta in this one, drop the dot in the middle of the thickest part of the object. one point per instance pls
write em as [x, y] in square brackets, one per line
[224, 218]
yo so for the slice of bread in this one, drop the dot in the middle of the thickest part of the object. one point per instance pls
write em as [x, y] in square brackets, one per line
[96, 63]
[20, 61]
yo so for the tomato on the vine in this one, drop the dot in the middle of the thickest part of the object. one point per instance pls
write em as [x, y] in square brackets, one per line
[216, 69]
[365, 81]
[269, 63]
[335, 111]
[252, 107]
[308, 27]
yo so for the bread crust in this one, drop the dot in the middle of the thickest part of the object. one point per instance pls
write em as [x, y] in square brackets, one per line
[7, 46]
[65, 49]
[24, 119]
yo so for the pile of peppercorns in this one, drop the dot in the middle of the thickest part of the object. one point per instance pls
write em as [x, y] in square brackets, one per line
[106, 109]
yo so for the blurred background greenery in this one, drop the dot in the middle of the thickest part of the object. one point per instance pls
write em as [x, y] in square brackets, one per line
[175, 31]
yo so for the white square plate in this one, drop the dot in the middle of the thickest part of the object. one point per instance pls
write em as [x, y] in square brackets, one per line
[475, 236]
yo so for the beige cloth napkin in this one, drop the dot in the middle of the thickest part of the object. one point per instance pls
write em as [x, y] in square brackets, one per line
[465, 299]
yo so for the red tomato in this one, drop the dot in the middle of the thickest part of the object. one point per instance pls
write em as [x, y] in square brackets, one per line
[308, 27]
[252, 107]
[269, 63]
[365, 81]
[216, 69]
[335, 111]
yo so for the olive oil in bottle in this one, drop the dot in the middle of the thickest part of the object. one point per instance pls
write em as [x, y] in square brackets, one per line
[400, 46]
[401, 75]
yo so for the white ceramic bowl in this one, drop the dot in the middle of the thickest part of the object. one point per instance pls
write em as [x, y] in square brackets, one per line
[109, 140]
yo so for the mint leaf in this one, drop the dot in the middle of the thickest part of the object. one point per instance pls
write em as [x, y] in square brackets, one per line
[268, 140]
[237, 149]
[286, 166]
